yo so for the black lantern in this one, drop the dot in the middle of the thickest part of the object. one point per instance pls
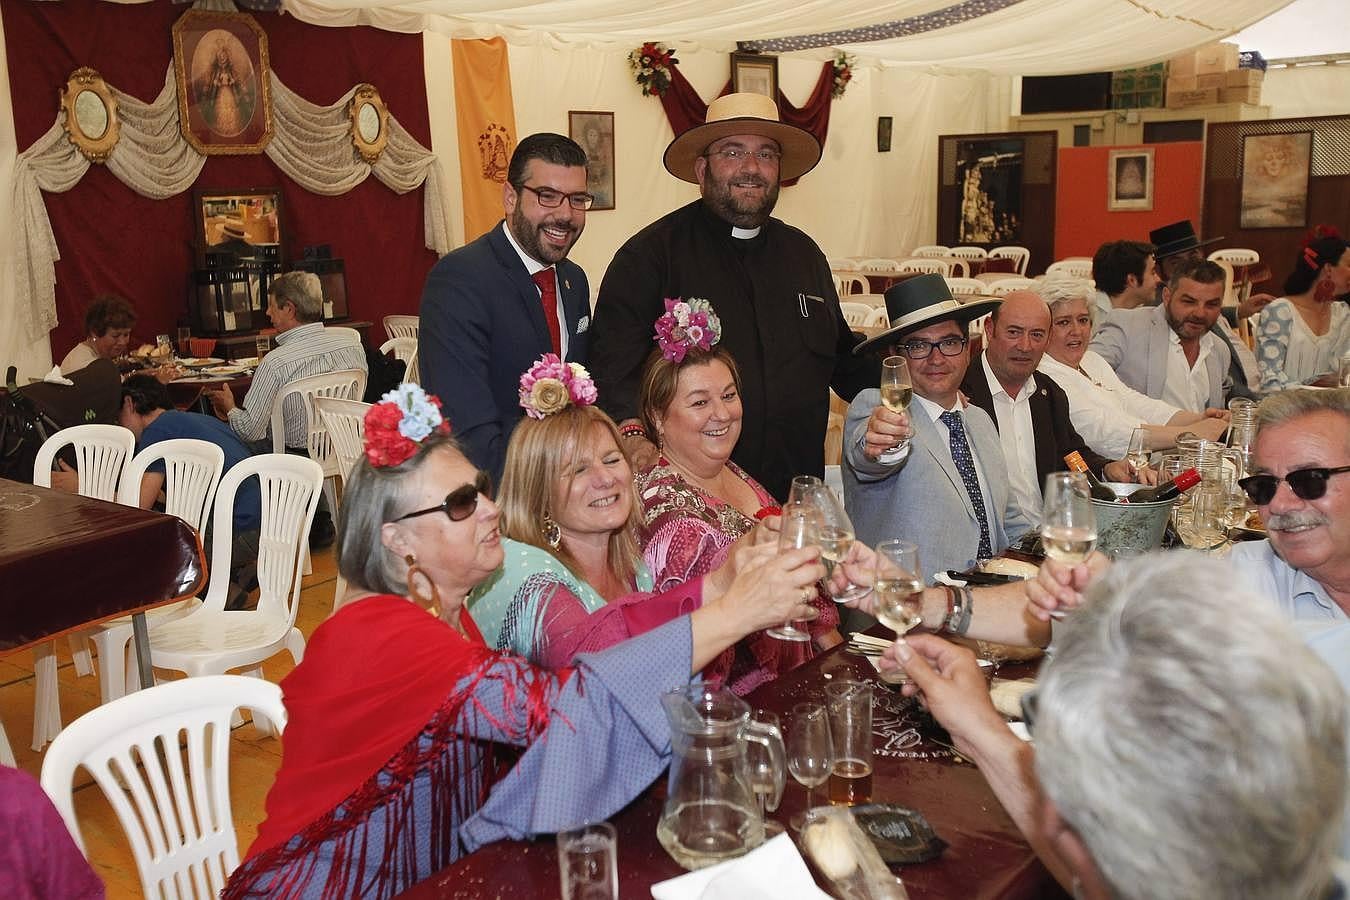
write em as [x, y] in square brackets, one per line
[221, 302]
[262, 267]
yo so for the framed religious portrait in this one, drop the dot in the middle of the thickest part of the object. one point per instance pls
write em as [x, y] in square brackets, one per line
[989, 173]
[221, 70]
[240, 223]
[594, 131]
[755, 73]
[1129, 180]
[1275, 169]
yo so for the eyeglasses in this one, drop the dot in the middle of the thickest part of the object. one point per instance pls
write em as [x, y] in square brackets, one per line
[1307, 484]
[736, 154]
[460, 503]
[950, 346]
[551, 199]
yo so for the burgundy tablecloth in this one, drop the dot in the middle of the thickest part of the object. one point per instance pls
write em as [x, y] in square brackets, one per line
[986, 857]
[67, 561]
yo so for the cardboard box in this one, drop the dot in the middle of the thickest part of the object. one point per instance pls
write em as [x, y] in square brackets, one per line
[1182, 83]
[1244, 77]
[1211, 80]
[1182, 65]
[1186, 99]
[1250, 94]
[1213, 58]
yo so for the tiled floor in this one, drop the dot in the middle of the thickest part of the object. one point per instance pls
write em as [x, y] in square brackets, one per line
[253, 758]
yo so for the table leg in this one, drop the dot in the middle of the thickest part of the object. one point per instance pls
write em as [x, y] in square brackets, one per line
[141, 639]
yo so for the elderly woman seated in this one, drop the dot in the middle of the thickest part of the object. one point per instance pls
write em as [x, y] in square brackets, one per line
[387, 772]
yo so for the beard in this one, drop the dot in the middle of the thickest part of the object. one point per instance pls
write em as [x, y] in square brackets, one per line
[531, 240]
[741, 212]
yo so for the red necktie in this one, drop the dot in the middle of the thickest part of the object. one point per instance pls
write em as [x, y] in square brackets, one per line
[547, 281]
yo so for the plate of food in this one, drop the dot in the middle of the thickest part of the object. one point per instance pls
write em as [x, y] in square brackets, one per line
[201, 362]
[224, 370]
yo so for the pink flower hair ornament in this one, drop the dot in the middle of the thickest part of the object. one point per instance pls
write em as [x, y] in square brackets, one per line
[551, 385]
[685, 325]
[396, 426]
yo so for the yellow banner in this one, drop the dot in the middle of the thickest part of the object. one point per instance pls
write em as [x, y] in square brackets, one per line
[485, 120]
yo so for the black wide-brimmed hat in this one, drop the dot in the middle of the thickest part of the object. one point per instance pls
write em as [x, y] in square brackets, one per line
[922, 301]
[1178, 237]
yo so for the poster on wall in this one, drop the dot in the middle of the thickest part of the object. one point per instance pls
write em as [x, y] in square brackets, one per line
[1275, 170]
[594, 131]
[1129, 180]
[221, 71]
[989, 174]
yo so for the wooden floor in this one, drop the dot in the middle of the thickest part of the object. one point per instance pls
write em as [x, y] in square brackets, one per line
[253, 758]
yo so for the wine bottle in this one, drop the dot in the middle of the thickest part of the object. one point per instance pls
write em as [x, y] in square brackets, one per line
[1164, 492]
[1098, 490]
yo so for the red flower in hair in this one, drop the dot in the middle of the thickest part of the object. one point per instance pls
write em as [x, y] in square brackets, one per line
[1319, 232]
[396, 426]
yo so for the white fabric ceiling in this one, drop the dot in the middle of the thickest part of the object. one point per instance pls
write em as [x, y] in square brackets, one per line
[1031, 37]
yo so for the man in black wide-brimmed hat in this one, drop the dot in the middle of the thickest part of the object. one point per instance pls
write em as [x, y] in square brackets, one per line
[934, 474]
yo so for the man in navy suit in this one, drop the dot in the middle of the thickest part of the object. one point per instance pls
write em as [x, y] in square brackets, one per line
[494, 306]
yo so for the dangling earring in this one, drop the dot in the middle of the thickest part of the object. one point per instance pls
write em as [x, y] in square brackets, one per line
[1325, 291]
[420, 597]
[552, 533]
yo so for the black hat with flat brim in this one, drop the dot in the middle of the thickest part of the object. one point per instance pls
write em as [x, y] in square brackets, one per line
[1178, 237]
[921, 301]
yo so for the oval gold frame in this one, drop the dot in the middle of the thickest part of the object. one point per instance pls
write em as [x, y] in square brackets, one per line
[86, 80]
[367, 95]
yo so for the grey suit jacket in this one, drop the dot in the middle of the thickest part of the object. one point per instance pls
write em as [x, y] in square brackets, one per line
[1136, 342]
[922, 498]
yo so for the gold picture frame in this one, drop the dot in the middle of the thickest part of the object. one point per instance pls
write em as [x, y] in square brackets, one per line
[89, 114]
[370, 122]
[223, 77]
[754, 73]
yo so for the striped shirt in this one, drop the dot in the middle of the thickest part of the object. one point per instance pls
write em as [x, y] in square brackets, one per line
[304, 350]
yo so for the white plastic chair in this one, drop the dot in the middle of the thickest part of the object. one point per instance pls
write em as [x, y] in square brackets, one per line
[1007, 285]
[191, 473]
[401, 326]
[404, 348]
[849, 284]
[101, 453]
[878, 264]
[927, 267]
[172, 797]
[6, 752]
[346, 424]
[961, 287]
[880, 318]
[966, 252]
[1236, 256]
[931, 251]
[873, 300]
[212, 640]
[1020, 256]
[1077, 266]
[346, 384]
[350, 334]
[856, 314]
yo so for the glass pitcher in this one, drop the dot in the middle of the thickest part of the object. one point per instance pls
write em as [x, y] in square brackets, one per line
[711, 814]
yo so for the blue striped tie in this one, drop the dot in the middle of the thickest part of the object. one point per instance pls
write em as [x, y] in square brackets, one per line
[956, 436]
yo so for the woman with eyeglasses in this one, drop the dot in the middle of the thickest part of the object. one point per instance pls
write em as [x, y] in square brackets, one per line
[388, 772]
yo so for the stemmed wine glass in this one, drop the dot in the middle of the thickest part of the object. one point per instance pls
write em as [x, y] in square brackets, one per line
[801, 528]
[810, 753]
[836, 539]
[896, 389]
[767, 763]
[803, 486]
[1068, 522]
[899, 586]
[1138, 453]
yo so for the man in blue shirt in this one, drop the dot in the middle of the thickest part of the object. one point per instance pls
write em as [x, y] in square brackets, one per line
[149, 413]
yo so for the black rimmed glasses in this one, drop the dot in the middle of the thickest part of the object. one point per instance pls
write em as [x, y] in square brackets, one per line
[460, 503]
[551, 199]
[1307, 484]
[948, 346]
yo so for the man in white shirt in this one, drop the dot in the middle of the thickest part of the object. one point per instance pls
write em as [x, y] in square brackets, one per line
[1125, 275]
[1168, 351]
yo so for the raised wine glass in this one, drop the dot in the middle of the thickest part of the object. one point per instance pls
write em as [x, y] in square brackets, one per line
[810, 752]
[836, 538]
[899, 586]
[801, 528]
[766, 772]
[896, 389]
[1068, 522]
[803, 486]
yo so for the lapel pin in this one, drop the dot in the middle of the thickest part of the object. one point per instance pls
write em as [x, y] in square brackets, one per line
[567, 284]
[1044, 392]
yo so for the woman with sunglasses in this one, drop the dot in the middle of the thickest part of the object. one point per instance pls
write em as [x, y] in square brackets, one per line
[388, 772]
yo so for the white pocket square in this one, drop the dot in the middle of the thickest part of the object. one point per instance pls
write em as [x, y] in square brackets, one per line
[582, 324]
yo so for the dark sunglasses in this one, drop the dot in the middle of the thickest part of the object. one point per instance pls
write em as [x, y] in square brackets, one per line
[460, 503]
[1307, 484]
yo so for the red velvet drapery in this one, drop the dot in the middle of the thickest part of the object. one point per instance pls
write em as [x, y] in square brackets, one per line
[113, 239]
[685, 108]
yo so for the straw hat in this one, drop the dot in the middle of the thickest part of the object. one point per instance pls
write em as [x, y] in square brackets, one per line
[921, 301]
[743, 114]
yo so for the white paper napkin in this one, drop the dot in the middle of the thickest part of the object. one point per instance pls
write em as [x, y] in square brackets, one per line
[772, 871]
[55, 377]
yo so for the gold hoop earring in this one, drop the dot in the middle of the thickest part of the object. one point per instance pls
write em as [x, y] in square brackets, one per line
[415, 572]
[552, 533]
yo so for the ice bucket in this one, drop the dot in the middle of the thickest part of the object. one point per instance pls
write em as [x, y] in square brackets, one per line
[1128, 529]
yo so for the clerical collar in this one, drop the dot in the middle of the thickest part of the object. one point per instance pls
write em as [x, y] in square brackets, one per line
[745, 234]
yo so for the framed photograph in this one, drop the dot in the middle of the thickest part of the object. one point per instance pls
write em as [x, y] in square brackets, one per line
[1275, 169]
[1129, 180]
[755, 73]
[989, 175]
[594, 131]
[884, 124]
[221, 68]
[239, 223]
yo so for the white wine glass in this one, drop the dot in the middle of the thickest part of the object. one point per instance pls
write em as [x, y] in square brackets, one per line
[899, 586]
[810, 753]
[801, 528]
[803, 486]
[1068, 522]
[896, 389]
[767, 762]
[1138, 454]
[836, 539]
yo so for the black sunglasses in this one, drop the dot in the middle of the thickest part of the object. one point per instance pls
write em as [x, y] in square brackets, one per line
[1307, 484]
[460, 503]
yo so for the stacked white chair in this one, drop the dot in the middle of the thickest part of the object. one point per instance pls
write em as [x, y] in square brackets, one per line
[970, 253]
[1008, 285]
[856, 314]
[101, 453]
[401, 326]
[192, 471]
[346, 384]
[1077, 266]
[879, 319]
[346, 423]
[931, 251]
[964, 287]
[941, 267]
[1020, 256]
[172, 797]
[841, 264]
[212, 640]
[873, 300]
[878, 265]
